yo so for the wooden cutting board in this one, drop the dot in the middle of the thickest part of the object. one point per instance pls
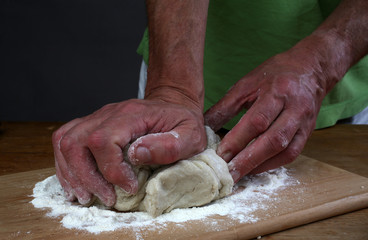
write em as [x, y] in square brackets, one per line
[324, 191]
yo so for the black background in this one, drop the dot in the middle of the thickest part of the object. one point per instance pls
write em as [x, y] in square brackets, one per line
[65, 59]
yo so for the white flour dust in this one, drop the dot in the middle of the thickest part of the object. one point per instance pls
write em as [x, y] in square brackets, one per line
[250, 194]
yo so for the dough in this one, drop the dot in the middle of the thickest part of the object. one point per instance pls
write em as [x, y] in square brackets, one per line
[186, 183]
[128, 202]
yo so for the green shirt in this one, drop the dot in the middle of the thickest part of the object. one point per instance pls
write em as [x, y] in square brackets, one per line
[242, 34]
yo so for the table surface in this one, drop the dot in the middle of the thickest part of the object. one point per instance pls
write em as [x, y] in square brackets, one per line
[26, 146]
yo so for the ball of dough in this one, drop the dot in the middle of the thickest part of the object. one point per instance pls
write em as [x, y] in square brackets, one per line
[187, 183]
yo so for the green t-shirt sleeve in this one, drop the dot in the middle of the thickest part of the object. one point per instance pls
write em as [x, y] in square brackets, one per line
[240, 35]
[143, 48]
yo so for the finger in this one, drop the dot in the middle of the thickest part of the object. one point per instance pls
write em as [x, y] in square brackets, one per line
[164, 148]
[68, 181]
[230, 105]
[81, 164]
[107, 149]
[285, 157]
[256, 121]
[65, 185]
[267, 145]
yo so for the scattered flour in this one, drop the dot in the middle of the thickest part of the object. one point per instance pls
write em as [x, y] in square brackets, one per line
[250, 194]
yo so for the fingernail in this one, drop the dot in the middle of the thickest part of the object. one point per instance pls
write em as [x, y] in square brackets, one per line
[127, 188]
[235, 175]
[131, 188]
[143, 155]
[70, 196]
[224, 153]
[85, 201]
[107, 196]
[227, 156]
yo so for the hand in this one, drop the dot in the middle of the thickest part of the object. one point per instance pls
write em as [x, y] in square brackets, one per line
[283, 97]
[88, 151]
[284, 94]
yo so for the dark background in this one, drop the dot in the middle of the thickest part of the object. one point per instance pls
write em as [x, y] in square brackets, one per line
[65, 59]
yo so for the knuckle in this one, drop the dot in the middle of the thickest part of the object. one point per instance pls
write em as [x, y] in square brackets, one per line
[308, 108]
[56, 136]
[132, 105]
[171, 153]
[278, 141]
[97, 140]
[291, 154]
[306, 104]
[260, 122]
[106, 108]
[110, 173]
[67, 143]
[128, 106]
[199, 141]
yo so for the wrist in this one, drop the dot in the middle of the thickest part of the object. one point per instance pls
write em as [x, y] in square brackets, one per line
[176, 47]
[327, 55]
[180, 95]
[179, 81]
[176, 76]
[340, 41]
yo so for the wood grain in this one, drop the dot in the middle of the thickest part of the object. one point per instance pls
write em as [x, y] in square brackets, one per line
[343, 146]
[324, 191]
[26, 146]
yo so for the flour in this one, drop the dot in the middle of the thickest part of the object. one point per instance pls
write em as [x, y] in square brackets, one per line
[250, 194]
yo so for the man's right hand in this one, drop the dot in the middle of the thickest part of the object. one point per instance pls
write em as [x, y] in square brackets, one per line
[89, 150]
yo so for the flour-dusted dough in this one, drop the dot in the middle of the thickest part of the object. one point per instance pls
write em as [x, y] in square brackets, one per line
[187, 183]
[128, 202]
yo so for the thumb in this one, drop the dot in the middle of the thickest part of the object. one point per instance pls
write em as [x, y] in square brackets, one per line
[167, 147]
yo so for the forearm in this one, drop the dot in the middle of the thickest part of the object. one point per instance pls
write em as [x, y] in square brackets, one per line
[338, 43]
[176, 38]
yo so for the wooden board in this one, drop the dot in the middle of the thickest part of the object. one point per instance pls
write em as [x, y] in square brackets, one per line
[324, 191]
